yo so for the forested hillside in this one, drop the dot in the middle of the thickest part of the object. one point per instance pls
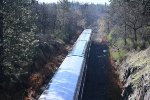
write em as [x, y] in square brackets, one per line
[32, 34]
[129, 23]
[127, 27]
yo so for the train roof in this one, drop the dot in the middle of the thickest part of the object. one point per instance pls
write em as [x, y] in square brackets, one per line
[87, 31]
[85, 35]
[64, 82]
[78, 49]
[81, 44]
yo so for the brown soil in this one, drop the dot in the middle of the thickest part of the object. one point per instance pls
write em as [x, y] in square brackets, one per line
[41, 78]
[116, 85]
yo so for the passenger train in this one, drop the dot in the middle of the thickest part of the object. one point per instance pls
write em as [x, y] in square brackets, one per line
[68, 81]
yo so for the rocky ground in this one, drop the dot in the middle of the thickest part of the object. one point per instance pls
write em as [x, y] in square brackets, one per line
[135, 75]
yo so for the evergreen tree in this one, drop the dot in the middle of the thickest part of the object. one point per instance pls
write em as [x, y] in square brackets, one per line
[18, 38]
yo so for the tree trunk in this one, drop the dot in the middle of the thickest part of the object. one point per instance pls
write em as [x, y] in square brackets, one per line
[1, 43]
[135, 39]
[125, 34]
[135, 35]
[125, 28]
[54, 24]
[108, 28]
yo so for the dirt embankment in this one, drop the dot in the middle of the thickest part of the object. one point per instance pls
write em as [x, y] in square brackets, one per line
[135, 74]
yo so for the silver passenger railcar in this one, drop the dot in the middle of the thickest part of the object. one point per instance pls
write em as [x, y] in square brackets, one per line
[68, 81]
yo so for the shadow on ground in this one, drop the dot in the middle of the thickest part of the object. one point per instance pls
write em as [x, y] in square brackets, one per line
[99, 83]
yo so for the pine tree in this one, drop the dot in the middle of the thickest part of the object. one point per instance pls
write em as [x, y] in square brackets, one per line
[19, 38]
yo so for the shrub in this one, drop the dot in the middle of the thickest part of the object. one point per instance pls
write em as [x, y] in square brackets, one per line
[118, 55]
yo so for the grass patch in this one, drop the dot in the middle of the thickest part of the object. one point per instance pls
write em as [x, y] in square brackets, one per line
[118, 55]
